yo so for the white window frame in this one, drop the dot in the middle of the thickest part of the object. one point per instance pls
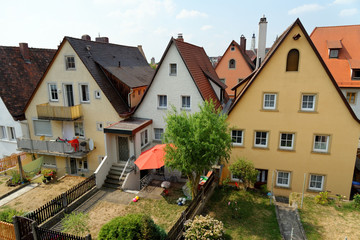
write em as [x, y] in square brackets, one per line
[77, 134]
[235, 143]
[261, 145]
[161, 134]
[42, 134]
[81, 92]
[269, 101]
[99, 126]
[282, 184]
[234, 179]
[316, 180]
[286, 140]
[11, 134]
[182, 103]
[172, 71]
[334, 50]
[144, 136]
[321, 142]
[3, 133]
[160, 102]
[307, 109]
[51, 99]
[67, 63]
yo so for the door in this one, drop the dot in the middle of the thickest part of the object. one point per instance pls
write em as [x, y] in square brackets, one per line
[73, 168]
[68, 95]
[123, 146]
[261, 178]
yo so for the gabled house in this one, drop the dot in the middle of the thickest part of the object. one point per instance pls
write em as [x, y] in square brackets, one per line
[87, 86]
[339, 48]
[286, 118]
[21, 69]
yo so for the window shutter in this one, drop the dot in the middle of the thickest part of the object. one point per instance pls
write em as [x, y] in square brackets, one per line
[42, 127]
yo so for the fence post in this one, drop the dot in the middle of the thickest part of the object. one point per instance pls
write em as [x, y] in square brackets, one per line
[16, 228]
[64, 197]
[34, 230]
[88, 237]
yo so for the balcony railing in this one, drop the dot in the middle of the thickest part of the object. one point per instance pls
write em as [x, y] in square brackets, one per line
[53, 147]
[61, 113]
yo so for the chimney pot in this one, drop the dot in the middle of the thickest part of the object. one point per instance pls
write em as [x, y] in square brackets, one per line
[180, 37]
[86, 37]
[243, 43]
[102, 39]
[24, 50]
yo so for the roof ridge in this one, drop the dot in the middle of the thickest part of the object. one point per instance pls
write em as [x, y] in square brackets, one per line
[188, 43]
[79, 39]
[352, 25]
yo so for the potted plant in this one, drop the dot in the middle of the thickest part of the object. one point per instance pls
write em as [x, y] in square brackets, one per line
[48, 173]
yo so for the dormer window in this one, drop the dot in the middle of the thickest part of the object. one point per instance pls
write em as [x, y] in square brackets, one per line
[292, 63]
[355, 74]
[232, 63]
[334, 47]
[334, 53]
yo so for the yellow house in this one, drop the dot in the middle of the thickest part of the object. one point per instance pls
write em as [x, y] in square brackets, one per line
[87, 86]
[292, 121]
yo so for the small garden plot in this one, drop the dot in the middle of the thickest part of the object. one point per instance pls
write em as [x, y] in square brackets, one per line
[245, 214]
[43, 194]
[3, 187]
[335, 220]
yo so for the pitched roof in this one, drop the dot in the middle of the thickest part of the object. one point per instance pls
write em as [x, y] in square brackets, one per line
[18, 78]
[271, 52]
[347, 40]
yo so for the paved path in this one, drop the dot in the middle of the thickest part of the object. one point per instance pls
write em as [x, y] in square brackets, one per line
[289, 223]
[18, 193]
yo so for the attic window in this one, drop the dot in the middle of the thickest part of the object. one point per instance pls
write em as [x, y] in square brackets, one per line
[355, 74]
[70, 62]
[232, 63]
[232, 48]
[292, 63]
[333, 53]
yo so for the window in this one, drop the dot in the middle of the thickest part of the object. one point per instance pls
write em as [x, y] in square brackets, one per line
[3, 132]
[334, 53]
[235, 177]
[283, 179]
[97, 94]
[158, 133]
[237, 137]
[308, 103]
[173, 69]
[185, 102]
[261, 139]
[355, 74]
[321, 143]
[42, 127]
[84, 93]
[222, 80]
[79, 129]
[53, 93]
[286, 141]
[11, 132]
[269, 101]
[232, 63]
[292, 63]
[99, 126]
[70, 62]
[162, 101]
[144, 138]
[85, 165]
[316, 182]
[350, 96]
[232, 48]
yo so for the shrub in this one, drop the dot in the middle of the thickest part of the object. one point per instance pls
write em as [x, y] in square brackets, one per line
[131, 227]
[357, 200]
[204, 228]
[245, 171]
[322, 198]
[7, 213]
[76, 223]
[15, 177]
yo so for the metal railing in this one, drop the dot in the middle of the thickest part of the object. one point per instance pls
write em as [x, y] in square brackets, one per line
[132, 158]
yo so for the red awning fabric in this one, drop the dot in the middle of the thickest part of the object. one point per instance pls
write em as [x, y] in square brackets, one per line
[152, 158]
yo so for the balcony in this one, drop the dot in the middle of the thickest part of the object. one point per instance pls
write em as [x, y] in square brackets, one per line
[54, 148]
[59, 113]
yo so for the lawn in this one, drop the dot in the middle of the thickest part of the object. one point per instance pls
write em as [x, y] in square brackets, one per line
[246, 215]
[332, 221]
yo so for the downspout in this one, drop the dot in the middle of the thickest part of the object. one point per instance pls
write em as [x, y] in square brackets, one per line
[129, 97]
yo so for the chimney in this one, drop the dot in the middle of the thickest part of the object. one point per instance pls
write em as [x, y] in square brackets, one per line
[152, 61]
[243, 43]
[141, 50]
[261, 42]
[180, 37]
[253, 42]
[102, 39]
[24, 50]
[86, 37]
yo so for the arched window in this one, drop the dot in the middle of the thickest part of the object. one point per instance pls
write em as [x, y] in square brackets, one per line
[232, 63]
[292, 63]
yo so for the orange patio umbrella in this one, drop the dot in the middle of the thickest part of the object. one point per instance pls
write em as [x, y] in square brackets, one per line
[152, 158]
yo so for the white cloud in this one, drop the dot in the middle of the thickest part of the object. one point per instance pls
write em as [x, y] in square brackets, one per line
[343, 1]
[348, 12]
[160, 30]
[305, 8]
[206, 27]
[190, 14]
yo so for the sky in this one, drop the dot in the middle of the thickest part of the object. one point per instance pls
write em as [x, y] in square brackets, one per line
[151, 23]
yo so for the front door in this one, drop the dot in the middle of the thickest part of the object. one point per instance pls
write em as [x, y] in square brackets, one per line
[123, 146]
[69, 95]
[73, 168]
[261, 178]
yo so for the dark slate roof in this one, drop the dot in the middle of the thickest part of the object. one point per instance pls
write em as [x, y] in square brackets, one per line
[18, 78]
[134, 71]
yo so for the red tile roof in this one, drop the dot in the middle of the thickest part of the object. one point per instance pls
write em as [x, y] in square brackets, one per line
[347, 38]
[18, 78]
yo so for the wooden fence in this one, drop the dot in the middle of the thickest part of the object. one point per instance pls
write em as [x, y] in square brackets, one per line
[22, 226]
[45, 234]
[176, 232]
[10, 161]
[7, 231]
[54, 206]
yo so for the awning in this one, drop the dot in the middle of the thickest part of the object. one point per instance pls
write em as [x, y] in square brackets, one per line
[128, 126]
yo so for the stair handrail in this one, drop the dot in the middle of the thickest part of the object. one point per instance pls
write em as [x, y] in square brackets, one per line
[127, 163]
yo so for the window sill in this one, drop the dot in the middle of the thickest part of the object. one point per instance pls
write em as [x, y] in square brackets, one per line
[282, 187]
[172, 74]
[305, 111]
[237, 145]
[185, 109]
[261, 148]
[81, 102]
[7, 140]
[314, 190]
[286, 150]
[70, 69]
[322, 153]
[269, 110]
[51, 100]
[162, 108]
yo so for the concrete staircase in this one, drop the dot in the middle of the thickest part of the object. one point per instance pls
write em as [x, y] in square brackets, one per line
[113, 178]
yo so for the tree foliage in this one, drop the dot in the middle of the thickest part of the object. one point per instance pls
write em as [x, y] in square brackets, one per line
[244, 171]
[199, 141]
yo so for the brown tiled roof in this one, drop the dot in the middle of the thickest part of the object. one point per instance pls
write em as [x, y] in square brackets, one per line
[18, 78]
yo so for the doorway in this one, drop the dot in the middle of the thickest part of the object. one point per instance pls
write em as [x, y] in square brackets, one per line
[123, 146]
[73, 167]
[68, 95]
[261, 178]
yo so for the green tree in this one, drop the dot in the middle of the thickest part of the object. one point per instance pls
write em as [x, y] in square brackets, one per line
[199, 141]
[244, 171]
[76, 223]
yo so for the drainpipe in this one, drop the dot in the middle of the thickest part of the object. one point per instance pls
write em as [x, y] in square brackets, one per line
[129, 97]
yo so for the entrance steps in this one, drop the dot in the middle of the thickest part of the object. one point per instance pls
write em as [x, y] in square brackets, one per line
[113, 178]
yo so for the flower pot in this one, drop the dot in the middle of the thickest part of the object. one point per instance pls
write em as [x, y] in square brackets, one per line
[48, 178]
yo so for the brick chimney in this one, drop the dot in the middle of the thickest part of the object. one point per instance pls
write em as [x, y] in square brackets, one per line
[243, 43]
[86, 37]
[180, 37]
[102, 39]
[24, 50]
[261, 41]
